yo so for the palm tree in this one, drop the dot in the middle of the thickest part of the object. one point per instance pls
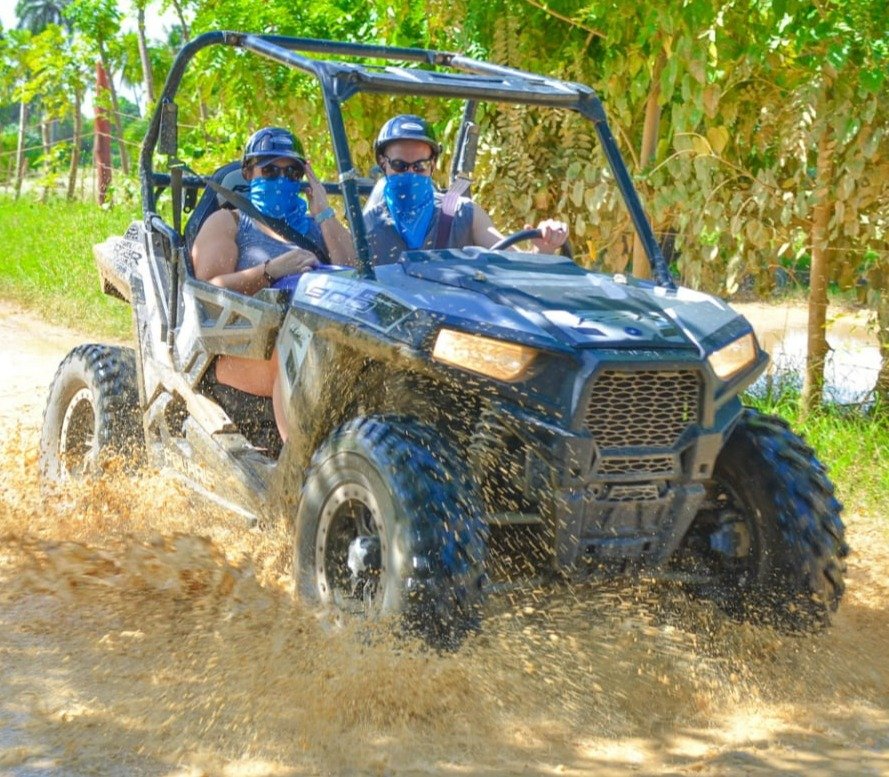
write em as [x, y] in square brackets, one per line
[36, 15]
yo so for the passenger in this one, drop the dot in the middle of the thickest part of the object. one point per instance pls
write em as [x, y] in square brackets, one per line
[236, 252]
[408, 214]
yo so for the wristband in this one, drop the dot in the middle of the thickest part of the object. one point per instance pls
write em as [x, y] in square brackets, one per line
[265, 272]
[325, 214]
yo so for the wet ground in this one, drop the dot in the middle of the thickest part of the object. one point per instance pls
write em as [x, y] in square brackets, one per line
[141, 633]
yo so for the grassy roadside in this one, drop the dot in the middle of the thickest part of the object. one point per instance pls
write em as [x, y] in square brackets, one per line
[46, 262]
[47, 266]
[853, 447]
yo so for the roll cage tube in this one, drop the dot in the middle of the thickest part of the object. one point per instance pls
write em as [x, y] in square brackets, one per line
[339, 81]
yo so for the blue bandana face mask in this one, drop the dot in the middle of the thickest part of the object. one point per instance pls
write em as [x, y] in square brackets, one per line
[280, 199]
[411, 202]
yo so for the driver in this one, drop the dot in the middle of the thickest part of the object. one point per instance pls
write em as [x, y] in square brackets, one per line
[409, 214]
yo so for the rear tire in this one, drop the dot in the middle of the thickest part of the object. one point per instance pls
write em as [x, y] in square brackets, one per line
[92, 412]
[393, 484]
[771, 540]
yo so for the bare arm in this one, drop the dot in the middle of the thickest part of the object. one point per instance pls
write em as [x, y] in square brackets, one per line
[485, 234]
[215, 256]
[215, 253]
[336, 236]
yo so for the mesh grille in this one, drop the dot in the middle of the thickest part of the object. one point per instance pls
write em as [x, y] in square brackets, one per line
[633, 493]
[631, 466]
[646, 408]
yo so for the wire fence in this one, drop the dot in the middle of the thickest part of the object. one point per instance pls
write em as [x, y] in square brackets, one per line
[60, 141]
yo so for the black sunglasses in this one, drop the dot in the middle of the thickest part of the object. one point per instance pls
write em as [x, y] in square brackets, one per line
[420, 166]
[291, 172]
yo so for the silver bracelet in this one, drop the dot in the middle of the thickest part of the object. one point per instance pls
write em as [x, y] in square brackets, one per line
[327, 213]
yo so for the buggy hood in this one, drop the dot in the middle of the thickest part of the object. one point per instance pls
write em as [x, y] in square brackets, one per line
[551, 297]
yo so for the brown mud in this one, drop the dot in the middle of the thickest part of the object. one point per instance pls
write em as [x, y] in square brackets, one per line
[143, 633]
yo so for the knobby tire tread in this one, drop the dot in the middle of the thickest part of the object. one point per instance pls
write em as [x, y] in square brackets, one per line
[811, 562]
[110, 373]
[447, 534]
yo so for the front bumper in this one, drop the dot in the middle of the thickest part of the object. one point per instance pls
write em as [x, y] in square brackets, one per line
[600, 517]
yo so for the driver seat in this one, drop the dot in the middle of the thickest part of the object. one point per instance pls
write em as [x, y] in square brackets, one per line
[229, 176]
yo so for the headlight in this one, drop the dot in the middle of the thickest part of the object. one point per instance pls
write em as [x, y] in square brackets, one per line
[485, 355]
[733, 357]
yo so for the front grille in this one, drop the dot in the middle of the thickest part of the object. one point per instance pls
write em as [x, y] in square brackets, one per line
[650, 465]
[639, 492]
[648, 408]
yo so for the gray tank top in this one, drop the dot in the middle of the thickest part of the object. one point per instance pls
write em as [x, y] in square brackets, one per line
[256, 247]
[386, 244]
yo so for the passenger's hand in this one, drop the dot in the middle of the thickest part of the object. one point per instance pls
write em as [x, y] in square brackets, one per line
[315, 194]
[296, 260]
[554, 234]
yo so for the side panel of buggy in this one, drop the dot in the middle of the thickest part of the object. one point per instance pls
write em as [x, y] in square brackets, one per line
[182, 325]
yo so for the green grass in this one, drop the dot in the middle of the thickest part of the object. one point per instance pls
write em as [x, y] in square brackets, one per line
[853, 446]
[47, 265]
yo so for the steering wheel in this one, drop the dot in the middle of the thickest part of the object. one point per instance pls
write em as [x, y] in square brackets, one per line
[528, 234]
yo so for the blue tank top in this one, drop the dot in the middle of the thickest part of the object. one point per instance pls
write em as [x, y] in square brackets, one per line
[255, 247]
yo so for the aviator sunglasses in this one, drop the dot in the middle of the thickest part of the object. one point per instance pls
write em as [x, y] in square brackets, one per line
[420, 166]
[292, 172]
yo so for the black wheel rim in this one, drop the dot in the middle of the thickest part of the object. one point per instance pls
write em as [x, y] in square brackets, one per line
[349, 512]
[78, 436]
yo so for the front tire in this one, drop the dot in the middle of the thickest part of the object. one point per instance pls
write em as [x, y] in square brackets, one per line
[770, 542]
[389, 525]
[92, 411]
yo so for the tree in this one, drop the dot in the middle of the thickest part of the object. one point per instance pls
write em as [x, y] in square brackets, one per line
[99, 23]
[144, 58]
[837, 53]
[13, 78]
[58, 73]
[36, 15]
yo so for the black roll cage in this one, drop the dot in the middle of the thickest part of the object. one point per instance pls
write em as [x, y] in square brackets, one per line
[340, 81]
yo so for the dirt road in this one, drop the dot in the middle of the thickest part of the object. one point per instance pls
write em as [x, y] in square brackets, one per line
[141, 634]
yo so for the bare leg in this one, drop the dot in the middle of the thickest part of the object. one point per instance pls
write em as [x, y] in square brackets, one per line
[255, 376]
[278, 405]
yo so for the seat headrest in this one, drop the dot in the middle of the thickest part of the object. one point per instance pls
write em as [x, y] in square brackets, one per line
[234, 180]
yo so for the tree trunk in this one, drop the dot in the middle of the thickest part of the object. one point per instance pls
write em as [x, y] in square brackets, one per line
[186, 33]
[45, 138]
[102, 138]
[147, 77]
[47, 162]
[878, 281]
[641, 266]
[75, 148]
[813, 381]
[881, 390]
[20, 149]
[118, 124]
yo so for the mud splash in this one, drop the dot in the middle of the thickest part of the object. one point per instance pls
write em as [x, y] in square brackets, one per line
[143, 634]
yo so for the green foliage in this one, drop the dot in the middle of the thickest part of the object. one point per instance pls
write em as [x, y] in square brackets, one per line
[48, 264]
[856, 445]
[744, 90]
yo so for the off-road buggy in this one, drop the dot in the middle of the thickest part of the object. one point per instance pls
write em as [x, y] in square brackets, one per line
[455, 397]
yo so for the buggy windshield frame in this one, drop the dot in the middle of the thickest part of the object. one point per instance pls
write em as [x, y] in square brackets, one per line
[447, 74]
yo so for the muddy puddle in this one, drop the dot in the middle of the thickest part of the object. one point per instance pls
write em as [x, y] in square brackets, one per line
[143, 633]
[853, 358]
